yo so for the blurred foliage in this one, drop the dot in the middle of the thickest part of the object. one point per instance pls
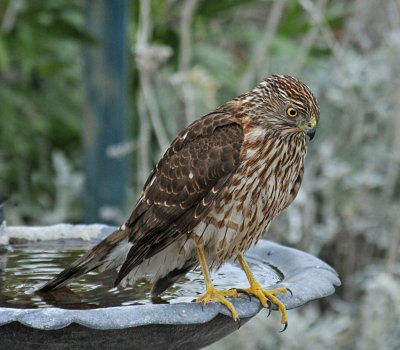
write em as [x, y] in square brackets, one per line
[190, 56]
[41, 97]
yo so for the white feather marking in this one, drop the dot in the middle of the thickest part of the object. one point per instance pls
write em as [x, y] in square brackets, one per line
[117, 256]
[251, 152]
[256, 134]
[171, 258]
[191, 175]
[152, 180]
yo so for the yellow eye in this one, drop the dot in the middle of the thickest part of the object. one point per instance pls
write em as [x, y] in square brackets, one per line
[291, 112]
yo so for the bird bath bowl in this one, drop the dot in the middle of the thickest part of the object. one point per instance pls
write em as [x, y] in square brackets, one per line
[93, 315]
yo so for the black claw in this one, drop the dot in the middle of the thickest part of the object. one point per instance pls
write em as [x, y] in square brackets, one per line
[284, 328]
[202, 306]
[289, 290]
[244, 292]
[269, 307]
[194, 300]
[238, 322]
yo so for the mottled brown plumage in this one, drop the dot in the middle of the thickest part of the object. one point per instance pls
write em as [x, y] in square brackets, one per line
[217, 188]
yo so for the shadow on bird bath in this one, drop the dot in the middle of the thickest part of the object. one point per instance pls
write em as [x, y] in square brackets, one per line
[92, 314]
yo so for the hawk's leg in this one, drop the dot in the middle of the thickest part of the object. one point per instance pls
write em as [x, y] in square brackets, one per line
[212, 293]
[265, 296]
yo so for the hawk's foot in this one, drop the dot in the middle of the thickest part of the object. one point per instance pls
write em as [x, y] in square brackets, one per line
[267, 297]
[213, 294]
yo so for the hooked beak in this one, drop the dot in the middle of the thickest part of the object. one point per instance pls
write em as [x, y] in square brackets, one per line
[309, 127]
[310, 133]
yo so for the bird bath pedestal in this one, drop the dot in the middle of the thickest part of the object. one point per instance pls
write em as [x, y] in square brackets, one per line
[178, 325]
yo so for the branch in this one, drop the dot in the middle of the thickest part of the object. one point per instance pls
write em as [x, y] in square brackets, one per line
[308, 41]
[185, 53]
[259, 59]
[147, 62]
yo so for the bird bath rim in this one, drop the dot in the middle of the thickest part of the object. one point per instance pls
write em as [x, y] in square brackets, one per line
[307, 277]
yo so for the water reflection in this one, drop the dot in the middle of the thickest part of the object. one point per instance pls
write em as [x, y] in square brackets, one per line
[29, 265]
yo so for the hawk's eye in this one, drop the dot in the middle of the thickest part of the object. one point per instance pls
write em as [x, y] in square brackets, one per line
[291, 112]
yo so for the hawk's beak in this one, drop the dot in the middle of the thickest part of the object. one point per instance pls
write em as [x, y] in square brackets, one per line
[310, 133]
[309, 127]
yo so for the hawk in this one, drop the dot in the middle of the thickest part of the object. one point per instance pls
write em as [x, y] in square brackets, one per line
[213, 194]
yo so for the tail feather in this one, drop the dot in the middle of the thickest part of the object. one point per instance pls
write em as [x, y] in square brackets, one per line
[107, 254]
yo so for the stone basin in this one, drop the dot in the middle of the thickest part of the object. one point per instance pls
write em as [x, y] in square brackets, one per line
[137, 324]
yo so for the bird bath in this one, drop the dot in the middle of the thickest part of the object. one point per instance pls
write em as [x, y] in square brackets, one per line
[91, 314]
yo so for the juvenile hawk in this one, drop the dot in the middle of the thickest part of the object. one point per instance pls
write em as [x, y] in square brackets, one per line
[213, 194]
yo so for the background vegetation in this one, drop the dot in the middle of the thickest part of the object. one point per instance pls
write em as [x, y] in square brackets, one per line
[187, 58]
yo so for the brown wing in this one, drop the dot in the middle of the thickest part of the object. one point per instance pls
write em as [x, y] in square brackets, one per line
[183, 186]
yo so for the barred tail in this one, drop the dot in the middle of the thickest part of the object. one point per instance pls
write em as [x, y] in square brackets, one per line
[109, 253]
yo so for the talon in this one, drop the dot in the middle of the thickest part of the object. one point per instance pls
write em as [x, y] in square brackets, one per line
[212, 293]
[266, 297]
[244, 291]
[290, 291]
[220, 296]
[284, 327]
[269, 308]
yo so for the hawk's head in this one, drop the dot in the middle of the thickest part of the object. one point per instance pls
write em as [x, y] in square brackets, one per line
[281, 101]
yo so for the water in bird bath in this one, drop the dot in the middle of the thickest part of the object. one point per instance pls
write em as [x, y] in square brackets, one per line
[28, 265]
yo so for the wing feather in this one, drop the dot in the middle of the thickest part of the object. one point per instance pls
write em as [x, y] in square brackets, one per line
[183, 187]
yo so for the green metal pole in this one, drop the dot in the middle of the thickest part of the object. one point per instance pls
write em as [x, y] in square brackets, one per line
[106, 120]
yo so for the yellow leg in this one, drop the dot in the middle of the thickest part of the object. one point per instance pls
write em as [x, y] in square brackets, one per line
[262, 294]
[212, 294]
